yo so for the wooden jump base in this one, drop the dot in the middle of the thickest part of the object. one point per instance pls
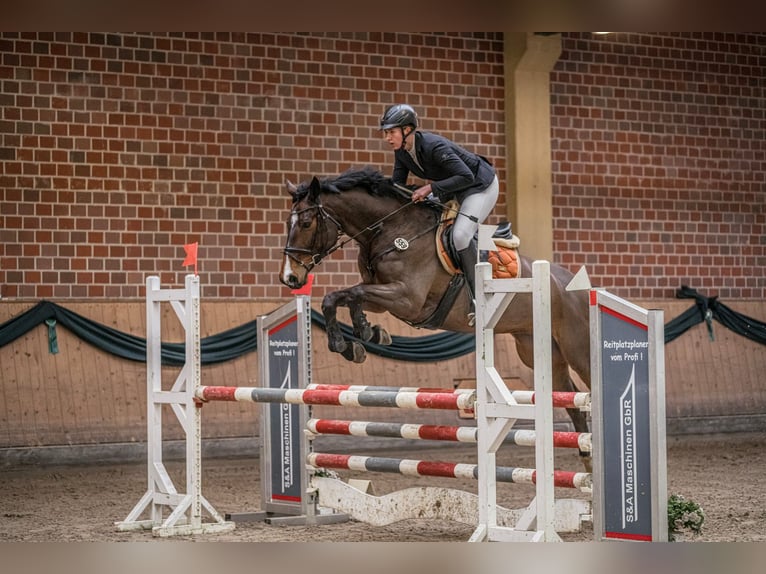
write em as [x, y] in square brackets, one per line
[433, 503]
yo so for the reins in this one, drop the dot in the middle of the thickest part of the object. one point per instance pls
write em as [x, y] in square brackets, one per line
[400, 244]
[373, 227]
[435, 202]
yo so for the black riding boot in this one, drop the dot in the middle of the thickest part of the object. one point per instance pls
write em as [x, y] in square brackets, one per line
[468, 260]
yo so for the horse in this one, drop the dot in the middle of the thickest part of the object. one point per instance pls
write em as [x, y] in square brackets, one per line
[402, 274]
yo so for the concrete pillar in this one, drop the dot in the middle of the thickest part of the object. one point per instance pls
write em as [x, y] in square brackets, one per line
[529, 59]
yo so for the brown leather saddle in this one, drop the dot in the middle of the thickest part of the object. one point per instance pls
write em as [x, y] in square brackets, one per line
[504, 261]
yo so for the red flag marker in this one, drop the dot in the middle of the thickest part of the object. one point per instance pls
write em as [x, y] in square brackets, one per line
[191, 255]
[306, 289]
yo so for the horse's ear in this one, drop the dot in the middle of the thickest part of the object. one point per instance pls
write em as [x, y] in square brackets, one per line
[314, 189]
[291, 187]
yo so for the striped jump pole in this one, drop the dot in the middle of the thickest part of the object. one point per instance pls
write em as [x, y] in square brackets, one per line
[332, 387]
[407, 467]
[581, 441]
[394, 399]
[561, 399]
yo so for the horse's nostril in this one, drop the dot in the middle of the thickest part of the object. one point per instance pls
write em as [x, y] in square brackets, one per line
[292, 281]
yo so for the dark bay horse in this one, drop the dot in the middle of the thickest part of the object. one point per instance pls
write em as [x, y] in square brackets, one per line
[407, 279]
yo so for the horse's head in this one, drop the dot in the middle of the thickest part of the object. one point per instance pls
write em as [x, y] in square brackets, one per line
[311, 234]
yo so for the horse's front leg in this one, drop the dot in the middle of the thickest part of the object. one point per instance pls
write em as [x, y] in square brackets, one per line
[351, 350]
[389, 297]
[363, 329]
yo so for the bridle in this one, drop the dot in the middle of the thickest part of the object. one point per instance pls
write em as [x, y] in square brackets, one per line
[316, 255]
[322, 216]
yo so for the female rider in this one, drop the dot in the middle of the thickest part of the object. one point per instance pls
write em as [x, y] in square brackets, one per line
[453, 173]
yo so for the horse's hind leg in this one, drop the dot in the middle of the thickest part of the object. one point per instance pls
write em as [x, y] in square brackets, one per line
[561, 381]
[580, 422]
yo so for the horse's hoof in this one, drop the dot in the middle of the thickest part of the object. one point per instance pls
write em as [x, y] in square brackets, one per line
[355, 352]
[365, 334]
[341, 346]
[381, 336]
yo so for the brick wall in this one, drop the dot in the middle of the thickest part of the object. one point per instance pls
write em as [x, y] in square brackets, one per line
[659, 162]
[117, 149]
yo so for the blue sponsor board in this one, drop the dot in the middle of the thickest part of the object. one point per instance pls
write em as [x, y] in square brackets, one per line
[625, 411]
[627, 356]
[285, 420]
[284, 347]
[284, 363]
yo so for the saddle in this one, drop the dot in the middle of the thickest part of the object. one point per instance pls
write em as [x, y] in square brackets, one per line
[504, 261]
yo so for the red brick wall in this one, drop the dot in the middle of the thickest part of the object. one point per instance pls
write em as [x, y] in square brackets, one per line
[117, 149]
[659, 162]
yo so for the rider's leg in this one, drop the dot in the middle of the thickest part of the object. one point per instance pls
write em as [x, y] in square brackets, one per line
[468, 259]
[473, 211]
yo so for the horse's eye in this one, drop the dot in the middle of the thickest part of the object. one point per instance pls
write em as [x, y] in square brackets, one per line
[305, 223]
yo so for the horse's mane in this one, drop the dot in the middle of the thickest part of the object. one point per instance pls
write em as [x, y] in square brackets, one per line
[368, 178]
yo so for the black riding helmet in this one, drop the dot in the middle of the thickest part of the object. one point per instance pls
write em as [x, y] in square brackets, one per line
[399, 116]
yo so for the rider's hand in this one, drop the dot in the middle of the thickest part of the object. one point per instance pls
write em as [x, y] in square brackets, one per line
[421, 193]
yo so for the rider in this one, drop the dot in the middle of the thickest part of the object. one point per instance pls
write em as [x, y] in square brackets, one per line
[453, 173]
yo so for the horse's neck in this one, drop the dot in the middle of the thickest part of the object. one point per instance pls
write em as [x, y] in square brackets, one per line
[356, 211]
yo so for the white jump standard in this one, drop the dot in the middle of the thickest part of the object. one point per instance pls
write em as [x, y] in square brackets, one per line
[186, 514]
